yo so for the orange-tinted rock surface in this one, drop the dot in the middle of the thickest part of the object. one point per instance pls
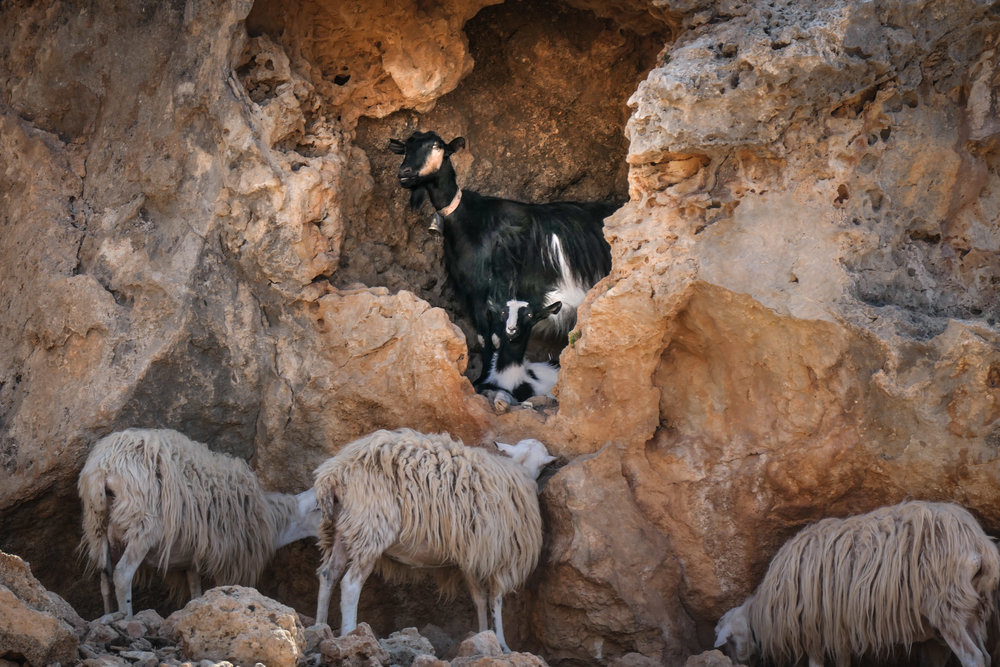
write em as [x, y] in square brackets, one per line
[202, 230]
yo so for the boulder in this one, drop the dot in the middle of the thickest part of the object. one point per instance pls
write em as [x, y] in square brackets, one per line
[238, 625]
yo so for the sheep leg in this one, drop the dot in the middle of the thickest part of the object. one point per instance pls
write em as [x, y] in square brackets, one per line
[963, 646]
[194, 582]
[331, 570]
[106, 574]
[498, 621]
[479, 599]
[125, 571]
[350, 594]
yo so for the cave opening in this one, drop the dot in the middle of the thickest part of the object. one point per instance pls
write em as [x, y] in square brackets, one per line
[543, 110]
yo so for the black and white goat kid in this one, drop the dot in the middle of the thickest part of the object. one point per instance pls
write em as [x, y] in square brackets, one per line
[514, 379]
[494, 247]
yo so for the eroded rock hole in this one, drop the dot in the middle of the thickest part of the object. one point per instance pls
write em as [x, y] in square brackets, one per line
[543, 112]
[842, 194]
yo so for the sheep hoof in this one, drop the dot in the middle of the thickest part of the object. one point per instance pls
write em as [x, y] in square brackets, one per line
[110, 618]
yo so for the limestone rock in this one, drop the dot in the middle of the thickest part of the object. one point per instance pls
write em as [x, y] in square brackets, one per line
[33, 624]
[405, 646]
[239, 625]
[393, 340]
[480, 644]
[314, 635]
[444, 645]
[714, 658]
[429, 661]
[483, 650]
[202, 230]
[358, 648]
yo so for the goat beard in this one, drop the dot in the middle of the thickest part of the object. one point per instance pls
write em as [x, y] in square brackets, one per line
[417, 197]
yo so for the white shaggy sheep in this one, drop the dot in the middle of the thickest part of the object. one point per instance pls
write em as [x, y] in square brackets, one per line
[865, 584]
[155, 496]
[402, 497]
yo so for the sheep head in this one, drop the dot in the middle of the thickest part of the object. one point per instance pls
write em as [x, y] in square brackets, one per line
[733, 632]
[529, 453]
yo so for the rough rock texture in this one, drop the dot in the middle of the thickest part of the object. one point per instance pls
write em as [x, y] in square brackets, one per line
[358, 647]
[237, 624]
[38, 626]
[809, 269]
[200, 229]
[405, 646]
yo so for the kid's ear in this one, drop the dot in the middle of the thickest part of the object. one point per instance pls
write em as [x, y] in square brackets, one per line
[417, 197]
[397, 146]
[456, 144]
[551, 309]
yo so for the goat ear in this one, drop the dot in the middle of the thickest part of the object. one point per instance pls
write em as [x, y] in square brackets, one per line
[494, 307]
[417, 197]
[457, 144]
[397, 146]
[551, 309]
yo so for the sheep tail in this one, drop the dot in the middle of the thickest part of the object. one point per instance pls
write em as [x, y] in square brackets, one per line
[326, 496]
[95, 545]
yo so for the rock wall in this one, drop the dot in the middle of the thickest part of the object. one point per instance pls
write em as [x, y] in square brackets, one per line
[201, 230]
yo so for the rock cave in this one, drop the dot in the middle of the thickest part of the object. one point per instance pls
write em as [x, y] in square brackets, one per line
[202, 230]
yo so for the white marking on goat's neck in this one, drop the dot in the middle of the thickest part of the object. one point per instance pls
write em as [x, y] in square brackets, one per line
[513, 311]
[510, 377]
[455, 201]
[568, 289]
[433, 162]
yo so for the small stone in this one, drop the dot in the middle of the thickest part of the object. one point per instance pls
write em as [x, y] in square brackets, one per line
[428, 661]
[358, 647]
[442, 642]
[635, 660]
[152, 620]
[713, 658]
[404, 646]
[106, 661]
[100, 634]
[142, 644]
[314, 635]
[142, 658]
[483, 643]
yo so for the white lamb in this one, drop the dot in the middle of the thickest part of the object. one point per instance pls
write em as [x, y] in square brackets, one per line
[402, 497]
[866, 584]
[155, 496]
[530, 453]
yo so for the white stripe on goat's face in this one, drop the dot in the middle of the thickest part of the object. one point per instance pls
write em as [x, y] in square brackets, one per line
[435, 158]
[513, 315]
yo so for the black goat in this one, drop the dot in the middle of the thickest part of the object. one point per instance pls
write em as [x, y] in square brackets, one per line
[508, 371]
[496, 247]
